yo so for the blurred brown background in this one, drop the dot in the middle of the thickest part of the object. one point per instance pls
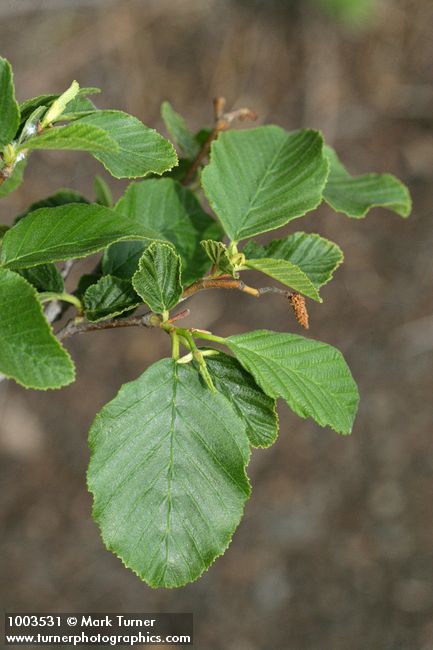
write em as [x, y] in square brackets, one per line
[335, 551]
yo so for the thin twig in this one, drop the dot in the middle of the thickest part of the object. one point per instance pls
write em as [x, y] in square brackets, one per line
[80, 327]
[282, 292]
[219, 283]
[150, 319]
[182, 314]
[222, 123]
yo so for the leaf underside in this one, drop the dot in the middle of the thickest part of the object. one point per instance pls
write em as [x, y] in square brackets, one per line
[257, 409]
[312, 377]
[316, 256]
[356, 195]
[287, 273]
[167, 473]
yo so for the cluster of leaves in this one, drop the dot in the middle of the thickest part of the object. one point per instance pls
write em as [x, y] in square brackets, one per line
[169, 453]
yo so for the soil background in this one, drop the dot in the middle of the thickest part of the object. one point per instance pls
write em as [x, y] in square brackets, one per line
[335, 550]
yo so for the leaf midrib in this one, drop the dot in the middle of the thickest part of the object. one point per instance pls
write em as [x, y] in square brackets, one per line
[170, 471]
[290, 372]
[259, 187]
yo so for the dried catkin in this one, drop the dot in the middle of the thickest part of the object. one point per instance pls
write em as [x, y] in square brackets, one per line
[299, 307]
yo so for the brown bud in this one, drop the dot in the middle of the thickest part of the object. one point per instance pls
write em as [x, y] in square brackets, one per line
[299, 307]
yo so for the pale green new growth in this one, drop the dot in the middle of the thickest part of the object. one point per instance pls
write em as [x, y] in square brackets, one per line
[219, 256]
[59, 105]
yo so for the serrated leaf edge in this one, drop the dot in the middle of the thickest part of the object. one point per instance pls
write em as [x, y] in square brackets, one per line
[57, 342]
[153, 245]
[115, 553]
[111, 314]
[322, 186]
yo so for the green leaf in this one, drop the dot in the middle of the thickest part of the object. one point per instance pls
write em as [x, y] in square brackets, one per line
[316, 256]
[30, 126]
[260, 179]
[78, 107]
[3, 229]
[66, 232]
[140, 150]
[109, 297]
[311, 376]
[76, 136]
[287, 273]
[203, 136]
[158, 277]
[126, 147]
[61, 197]
[356, 195]
[177, 173]
[103, 192]
[9, 110]
[14, 180]
[175, 214]
[45, 277]
[167, 473]
[247, 398]
[76, 115]
[29, 105]
[178, 130]
[86, 281]
[218, 254]
[121, 259]
[29, 353]
[69, 105]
